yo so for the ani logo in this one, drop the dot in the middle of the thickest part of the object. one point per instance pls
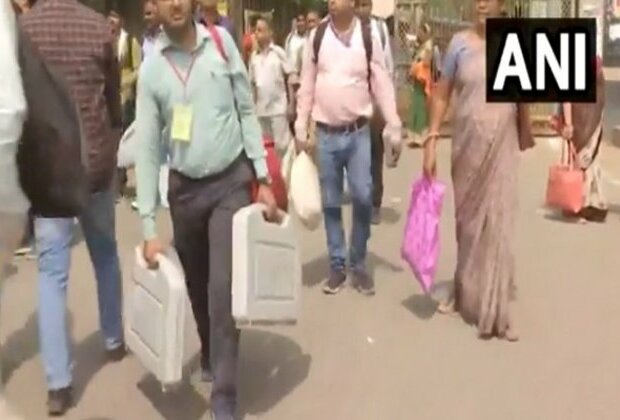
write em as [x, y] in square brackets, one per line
[541, 60]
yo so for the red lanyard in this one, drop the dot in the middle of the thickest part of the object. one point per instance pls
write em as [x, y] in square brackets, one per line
[182, 79]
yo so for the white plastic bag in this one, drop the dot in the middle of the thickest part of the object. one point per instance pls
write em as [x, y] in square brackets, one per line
[126, 156]
[305, 191]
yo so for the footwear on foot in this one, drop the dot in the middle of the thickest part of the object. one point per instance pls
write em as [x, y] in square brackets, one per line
[117, 354]
[26, 252]
[446, 307]
[206, 375]
[376, 216]
[59, 401]
[335, 282]
[217, 415]
[134, 205]
[364, 283]
[511, 334]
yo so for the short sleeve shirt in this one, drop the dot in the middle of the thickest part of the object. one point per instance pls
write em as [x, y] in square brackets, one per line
[268, 71]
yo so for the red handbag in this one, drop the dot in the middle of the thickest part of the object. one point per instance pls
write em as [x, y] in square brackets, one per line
[565, 187]
[274, 168]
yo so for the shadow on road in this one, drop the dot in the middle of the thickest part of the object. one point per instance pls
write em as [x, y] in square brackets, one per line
[182, 402]
[20, 347]
[315, 271]
[23, 345]
[90, 358]
[424, 306]
[390, 216]
[271, 366]
[559, 217]
[614, 208]
[9, 271]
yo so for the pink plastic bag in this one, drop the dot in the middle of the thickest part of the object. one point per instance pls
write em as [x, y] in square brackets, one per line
[420, 247]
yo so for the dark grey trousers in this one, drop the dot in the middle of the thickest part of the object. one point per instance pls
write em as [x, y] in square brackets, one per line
[202, 212]
[377, 124]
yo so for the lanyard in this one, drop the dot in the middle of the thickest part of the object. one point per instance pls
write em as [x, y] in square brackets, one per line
[177, 72]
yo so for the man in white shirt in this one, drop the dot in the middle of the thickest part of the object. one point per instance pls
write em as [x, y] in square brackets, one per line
[379, 30]
[270, 73]
[13, 203]
[296, 41]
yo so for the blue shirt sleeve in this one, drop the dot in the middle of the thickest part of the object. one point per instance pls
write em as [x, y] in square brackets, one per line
[148, 156]
[452, 56]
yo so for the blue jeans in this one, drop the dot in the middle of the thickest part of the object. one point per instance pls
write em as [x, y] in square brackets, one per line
[54, 237]
[337, 152]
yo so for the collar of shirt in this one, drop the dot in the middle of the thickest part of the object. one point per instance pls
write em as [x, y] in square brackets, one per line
[152, 34]
[344, 37]
[164, 42]
[266, 50]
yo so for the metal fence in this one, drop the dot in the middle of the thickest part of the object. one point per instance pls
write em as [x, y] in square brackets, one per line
[446, 17]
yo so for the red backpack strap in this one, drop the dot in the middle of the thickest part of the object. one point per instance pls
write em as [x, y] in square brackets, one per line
[219, 43]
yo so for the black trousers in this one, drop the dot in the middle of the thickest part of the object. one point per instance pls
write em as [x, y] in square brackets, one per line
[202, 213]
[377, 124]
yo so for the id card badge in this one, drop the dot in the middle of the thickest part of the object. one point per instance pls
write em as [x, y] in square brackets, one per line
[182, 123]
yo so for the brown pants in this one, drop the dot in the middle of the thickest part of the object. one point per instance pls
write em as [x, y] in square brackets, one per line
[377, 124]
[202, 213]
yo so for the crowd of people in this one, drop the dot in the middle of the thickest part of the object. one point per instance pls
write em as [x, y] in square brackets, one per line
[200, 107]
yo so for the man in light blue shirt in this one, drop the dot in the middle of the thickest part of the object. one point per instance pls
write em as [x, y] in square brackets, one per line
[195, 90]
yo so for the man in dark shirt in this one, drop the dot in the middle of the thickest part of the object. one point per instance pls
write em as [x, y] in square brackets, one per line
[77, 43]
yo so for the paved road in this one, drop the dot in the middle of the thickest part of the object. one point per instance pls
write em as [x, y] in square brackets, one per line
[388, 357]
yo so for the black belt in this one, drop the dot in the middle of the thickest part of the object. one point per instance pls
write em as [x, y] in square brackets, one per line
[348, 128]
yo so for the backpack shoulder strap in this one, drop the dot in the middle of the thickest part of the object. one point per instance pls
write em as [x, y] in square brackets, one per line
[219, 43]
[367, 38]
[318, 39]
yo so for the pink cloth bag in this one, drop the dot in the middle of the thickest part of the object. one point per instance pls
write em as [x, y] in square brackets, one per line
[420, 247]
[565, 185]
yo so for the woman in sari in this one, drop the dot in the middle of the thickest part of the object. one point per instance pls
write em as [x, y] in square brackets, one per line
[420, 78]
[485, 155]
[583, 127]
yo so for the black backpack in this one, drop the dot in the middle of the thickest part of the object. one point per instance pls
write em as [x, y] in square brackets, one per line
[366, 37]
[49, 156]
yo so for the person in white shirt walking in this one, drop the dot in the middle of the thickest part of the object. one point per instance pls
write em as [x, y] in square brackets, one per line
[296, 41]
[270, 74]
[13, 203]
[379, 30]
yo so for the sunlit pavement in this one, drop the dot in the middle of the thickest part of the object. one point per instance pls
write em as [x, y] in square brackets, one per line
[388, 357]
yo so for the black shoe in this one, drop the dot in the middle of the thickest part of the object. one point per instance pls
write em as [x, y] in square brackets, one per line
[221, 415]
[335, 282]
[206, 375]
[364, 283]
[117, 354]
[376, 216]
[59, 401]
